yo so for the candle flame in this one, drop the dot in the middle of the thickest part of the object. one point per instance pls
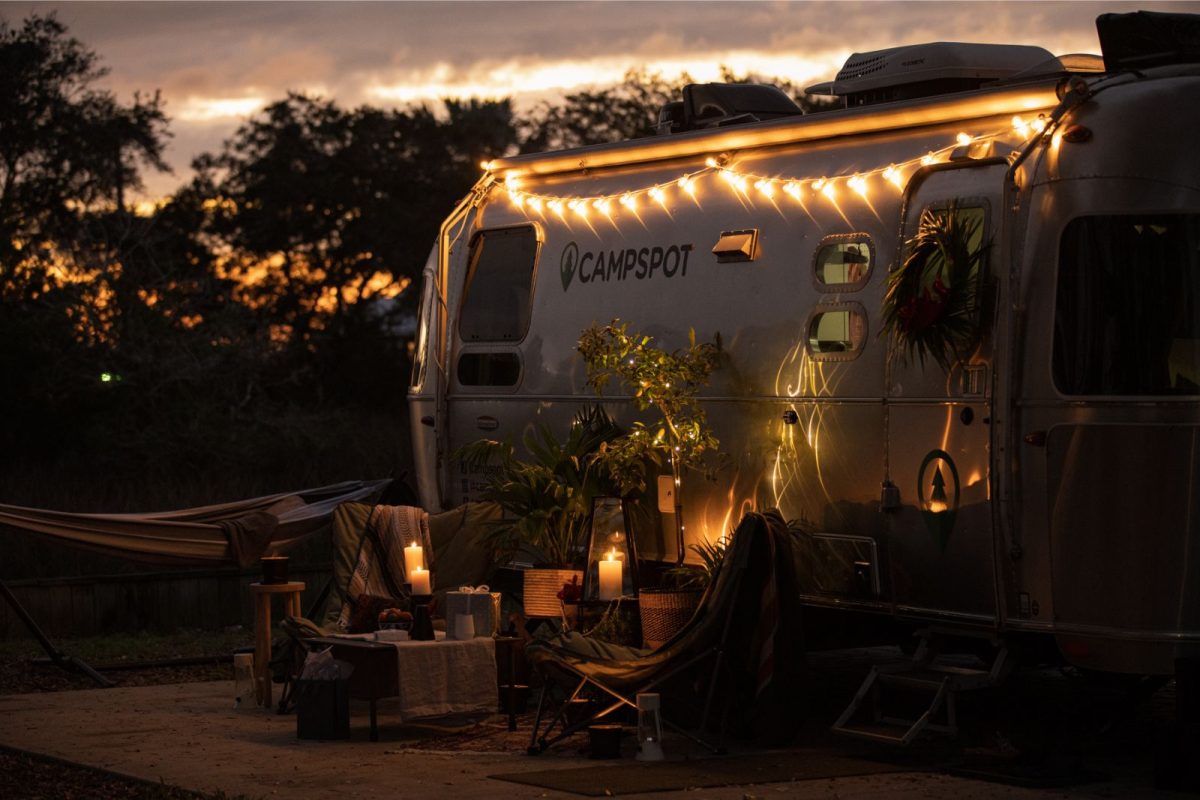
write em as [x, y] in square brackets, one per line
[612, 554]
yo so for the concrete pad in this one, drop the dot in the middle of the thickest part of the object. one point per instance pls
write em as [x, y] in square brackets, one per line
[189, 735]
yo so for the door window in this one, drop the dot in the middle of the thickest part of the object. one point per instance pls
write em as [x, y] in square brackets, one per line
[499, 285]
[1127, 309]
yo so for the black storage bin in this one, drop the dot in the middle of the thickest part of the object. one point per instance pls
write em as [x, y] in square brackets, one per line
[323, 709]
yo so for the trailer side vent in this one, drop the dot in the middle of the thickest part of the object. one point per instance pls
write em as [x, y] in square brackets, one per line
[737, 246]
[925, 70]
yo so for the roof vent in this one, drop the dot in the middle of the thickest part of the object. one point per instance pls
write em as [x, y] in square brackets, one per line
[924, 70]
[1146, 39]
[716, 105]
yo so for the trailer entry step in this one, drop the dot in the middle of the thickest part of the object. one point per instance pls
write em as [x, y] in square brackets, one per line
[867, 716]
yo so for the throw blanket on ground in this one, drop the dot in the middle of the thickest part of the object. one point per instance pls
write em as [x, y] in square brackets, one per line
[379, 570]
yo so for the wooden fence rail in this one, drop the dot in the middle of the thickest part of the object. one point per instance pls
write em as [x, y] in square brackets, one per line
[210, 599]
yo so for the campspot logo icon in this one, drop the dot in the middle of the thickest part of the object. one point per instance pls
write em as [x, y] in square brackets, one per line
[566, 265]
[620, 265]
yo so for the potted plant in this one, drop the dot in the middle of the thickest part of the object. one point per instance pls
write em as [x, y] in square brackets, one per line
[546, 500]
[701, 576]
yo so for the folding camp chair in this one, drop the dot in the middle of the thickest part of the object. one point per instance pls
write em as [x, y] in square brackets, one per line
[712, 650]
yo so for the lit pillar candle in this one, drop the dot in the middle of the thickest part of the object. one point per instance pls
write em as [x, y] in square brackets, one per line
[610, 577]
[414, 556]
[419, 578]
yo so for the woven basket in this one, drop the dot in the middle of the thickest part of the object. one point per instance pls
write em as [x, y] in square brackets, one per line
[542, 587]
[665, 611]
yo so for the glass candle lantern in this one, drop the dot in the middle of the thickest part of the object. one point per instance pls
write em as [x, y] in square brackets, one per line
[649, 727]
[612, 555]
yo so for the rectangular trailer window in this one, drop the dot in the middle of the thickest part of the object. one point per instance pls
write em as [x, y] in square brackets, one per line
[499, 285]
[425, 317]
[1127, 310]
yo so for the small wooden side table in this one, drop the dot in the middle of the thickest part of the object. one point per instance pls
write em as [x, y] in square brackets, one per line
[262, 630]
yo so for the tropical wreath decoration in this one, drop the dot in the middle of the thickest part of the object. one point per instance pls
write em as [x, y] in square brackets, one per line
[931, 302]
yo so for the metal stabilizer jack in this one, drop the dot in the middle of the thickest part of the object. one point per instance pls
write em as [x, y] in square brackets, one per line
[59, 659]
[868, 717]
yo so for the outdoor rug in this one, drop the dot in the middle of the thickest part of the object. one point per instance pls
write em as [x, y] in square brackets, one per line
[665, 776]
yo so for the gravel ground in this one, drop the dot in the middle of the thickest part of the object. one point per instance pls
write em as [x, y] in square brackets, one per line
[34, 777]
[30, 777]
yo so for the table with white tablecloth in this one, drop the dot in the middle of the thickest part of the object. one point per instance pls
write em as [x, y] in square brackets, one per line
[430, 679]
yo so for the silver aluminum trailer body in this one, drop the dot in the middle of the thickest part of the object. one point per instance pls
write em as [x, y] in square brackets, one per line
[1072, 512]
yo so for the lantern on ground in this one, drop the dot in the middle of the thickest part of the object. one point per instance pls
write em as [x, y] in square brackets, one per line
[649, 727]
[612, 555]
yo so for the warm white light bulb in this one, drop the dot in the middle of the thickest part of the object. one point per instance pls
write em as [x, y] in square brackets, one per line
[792, 189]
[858, 184]
[963, 139]
[928, 159]
[827, 190]
[710, 162]
[629, 201]
[535, 203]
[658, 195]
[894, 176]
[1039, 124]
[766, 187]
[687, 184]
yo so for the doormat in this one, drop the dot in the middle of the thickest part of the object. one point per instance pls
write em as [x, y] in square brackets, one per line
[665, 776]
[1051, 774]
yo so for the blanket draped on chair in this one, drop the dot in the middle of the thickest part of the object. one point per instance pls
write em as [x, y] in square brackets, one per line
[743, 648]
[380, 569]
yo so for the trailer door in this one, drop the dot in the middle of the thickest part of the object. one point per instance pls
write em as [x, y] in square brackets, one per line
[940, 534]
[487, 364]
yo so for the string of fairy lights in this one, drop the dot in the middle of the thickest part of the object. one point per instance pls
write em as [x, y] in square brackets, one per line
[745, 183]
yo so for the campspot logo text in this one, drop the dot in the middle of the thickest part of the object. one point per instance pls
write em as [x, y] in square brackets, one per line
[620, 265]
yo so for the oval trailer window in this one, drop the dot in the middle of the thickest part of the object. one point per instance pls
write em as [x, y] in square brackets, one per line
[840, 331]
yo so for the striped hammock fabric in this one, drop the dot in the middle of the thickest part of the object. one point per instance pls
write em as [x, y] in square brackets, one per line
[237, 532]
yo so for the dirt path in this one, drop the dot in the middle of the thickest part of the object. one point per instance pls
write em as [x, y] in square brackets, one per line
[189, 735]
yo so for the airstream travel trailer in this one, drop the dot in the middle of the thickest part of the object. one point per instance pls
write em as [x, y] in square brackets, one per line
[1044, 483]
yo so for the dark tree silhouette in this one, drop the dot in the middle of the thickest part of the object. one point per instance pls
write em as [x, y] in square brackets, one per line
[628, 110]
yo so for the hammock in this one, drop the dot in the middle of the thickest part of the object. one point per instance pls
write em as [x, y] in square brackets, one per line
[238, 532]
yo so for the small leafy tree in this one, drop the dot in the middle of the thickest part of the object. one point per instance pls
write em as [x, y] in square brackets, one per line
[667, 382]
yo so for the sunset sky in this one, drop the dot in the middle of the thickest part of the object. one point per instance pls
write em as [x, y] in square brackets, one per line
[216, 63]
